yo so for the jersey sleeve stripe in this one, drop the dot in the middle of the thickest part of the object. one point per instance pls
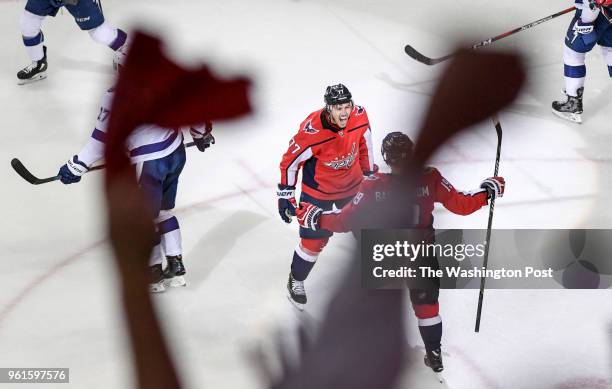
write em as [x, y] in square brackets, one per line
[472, 193]
[368, 138]
[292, 169]
[358, 127]
[98, 135]
[155, 147]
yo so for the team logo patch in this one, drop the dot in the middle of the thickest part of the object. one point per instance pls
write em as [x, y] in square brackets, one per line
[359, 110]
[344, 162]
[309, 129]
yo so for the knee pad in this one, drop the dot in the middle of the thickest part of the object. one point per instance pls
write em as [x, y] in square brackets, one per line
[30, 24]
[104, 34]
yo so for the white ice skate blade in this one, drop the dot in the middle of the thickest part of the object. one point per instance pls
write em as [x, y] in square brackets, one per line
[157, 288]
[38, 77]
[572, 117]
[176, 282]
[298, 306]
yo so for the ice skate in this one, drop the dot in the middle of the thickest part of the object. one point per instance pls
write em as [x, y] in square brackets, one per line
[571, 108]
[36, 71]
[156, 279]
[433, 360]
[175, 272]
[296, 292]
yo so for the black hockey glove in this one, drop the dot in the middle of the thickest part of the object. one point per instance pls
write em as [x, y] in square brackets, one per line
[286, 202]
[71, 172]
[202, 136]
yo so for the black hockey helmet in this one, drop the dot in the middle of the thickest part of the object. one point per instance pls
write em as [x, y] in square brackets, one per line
[396, 147]
[337, 94]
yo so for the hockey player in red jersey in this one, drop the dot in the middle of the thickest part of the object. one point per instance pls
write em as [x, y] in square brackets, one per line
[431, 187]
[333, 147]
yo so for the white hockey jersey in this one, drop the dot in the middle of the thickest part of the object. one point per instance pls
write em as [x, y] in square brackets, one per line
[146, 143]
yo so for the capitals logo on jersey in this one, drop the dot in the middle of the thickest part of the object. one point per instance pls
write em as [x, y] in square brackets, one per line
[345, 162]
[309, 129]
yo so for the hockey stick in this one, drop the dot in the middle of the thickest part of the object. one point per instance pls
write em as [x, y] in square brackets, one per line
[19, 167]
[411, 51]
[498, 129]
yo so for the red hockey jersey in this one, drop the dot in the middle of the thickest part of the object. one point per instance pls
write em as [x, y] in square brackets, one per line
[432, 188]
[333, 160]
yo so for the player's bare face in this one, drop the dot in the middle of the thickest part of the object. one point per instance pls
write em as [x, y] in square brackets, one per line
[340, 113]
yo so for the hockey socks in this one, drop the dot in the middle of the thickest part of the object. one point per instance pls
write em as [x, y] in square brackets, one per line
[300, 266]
[574, 70]
[431, 334]
[170, 232]
[119, 40]
[305, 256]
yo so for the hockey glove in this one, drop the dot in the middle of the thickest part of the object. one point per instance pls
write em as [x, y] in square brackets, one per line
[286, 202]
[202, 136]
[494, 186]
[72, 171]
[308, 216]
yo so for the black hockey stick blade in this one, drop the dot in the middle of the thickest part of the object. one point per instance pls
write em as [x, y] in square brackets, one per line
[414, 54]
[29, 177]
[432, 61]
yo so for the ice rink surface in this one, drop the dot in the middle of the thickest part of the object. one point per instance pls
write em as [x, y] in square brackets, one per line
[59, 304]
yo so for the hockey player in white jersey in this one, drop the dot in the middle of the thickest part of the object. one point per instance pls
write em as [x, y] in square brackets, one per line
[159, 156]
[592, 25]
[88, 16]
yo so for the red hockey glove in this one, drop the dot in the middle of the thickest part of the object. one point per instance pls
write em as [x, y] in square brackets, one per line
[308, 216]
[495, 186]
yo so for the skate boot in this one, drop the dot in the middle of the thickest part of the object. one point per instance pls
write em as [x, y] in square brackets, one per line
[570, 109]
[433, 359]
[296, 292]
[156, 279]
[37, 70]
[175, 271]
